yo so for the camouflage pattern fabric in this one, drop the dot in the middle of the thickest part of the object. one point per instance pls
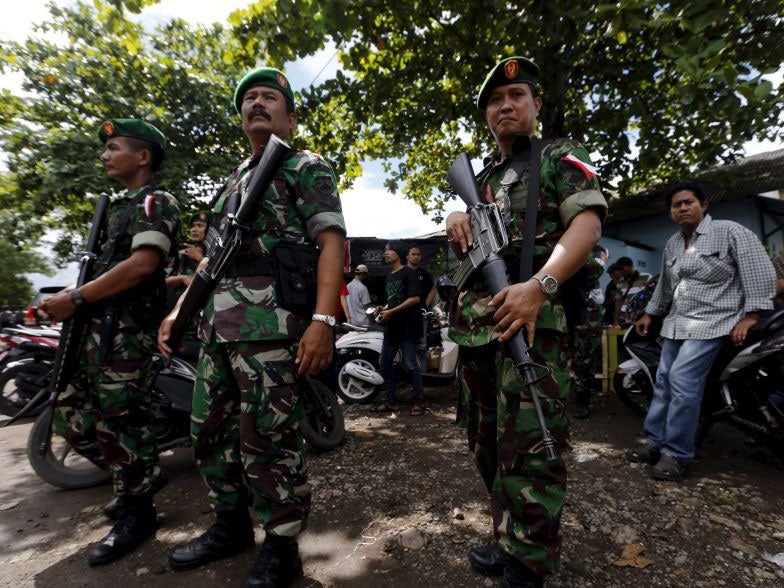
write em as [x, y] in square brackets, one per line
[301, 202]
[627, 288]
[106, 413]
[245, 429]
[154, 222]
[587, 346]
[527, 491]
[565, 192]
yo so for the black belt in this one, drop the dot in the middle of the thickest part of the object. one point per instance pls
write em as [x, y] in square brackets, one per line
[250, 266]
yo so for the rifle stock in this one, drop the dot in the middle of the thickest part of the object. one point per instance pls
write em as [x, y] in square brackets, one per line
[204, 281]
[487, 246]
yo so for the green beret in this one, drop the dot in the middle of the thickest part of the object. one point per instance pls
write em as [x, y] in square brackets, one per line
[511, 70]
[264, 76]
[200, 217]
[131, 127]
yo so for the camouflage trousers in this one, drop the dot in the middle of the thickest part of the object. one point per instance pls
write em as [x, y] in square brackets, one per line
[527, 491]
[245, 429]
[106, 412]
[587, 355]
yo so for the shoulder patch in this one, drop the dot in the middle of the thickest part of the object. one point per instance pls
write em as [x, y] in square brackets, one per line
[586, 168]
[149, 201]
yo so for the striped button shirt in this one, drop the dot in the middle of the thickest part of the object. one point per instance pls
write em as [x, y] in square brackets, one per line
[709, 287]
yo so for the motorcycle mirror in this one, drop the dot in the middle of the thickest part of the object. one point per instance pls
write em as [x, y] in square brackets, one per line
[446, 289]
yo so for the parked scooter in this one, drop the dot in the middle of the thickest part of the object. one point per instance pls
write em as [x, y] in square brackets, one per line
[24, 353]
[323, 426]
[359, 352]
[745, 387]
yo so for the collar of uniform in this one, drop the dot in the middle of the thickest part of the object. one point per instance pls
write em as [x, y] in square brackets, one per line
[133, 192]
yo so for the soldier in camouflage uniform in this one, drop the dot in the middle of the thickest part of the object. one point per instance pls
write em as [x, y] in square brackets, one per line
[246, 406]
[527, 491]
[106, 412]
[587, 337]
[631, 283]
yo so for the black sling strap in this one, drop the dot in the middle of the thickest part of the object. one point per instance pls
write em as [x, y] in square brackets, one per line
[512, 176]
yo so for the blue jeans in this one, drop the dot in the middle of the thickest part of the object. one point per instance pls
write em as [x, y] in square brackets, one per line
[389, 371]
[671, 424]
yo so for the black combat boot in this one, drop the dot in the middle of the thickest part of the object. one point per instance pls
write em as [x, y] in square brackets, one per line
[113, 509]
[582, 403]
[516, 575]
[490, 560]
[277, 565]
[137, 522]
[231, 533]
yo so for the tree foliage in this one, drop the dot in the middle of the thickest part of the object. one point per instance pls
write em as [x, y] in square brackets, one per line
[93, 64]
[658, 89]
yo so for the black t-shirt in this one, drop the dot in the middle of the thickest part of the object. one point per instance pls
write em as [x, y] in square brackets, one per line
[401, 285]
[425, 285]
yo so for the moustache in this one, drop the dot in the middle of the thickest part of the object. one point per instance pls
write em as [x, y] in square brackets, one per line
[259, 112]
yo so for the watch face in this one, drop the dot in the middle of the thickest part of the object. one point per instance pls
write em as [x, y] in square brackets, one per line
[549, 285]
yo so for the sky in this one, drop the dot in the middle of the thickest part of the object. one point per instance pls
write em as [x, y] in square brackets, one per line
[369, 209]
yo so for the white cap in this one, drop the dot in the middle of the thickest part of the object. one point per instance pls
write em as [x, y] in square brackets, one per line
[361, 269]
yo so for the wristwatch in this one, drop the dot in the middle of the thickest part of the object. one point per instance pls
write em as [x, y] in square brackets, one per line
[547, 282]
[76, 298]
[324, 318]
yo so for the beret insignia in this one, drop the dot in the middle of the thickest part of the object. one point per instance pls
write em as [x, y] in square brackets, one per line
[511, 69]
[283, 81]
[108, 128]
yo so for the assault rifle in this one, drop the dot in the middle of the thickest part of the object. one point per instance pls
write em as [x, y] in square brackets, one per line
[73, 328]
[490, 239]
[204, 281]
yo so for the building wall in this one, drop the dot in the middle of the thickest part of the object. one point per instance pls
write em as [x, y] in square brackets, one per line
[654, 231]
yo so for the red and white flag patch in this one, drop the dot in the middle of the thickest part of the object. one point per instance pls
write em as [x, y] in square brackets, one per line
[589, 170]
[149, 201]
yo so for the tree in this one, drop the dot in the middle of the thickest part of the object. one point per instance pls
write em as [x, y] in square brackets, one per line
[177, 78]
[659, 89]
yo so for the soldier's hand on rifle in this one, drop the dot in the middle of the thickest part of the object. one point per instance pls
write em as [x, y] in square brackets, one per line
[517, 307]
[58, 307]
[315, 349]
[458, 231]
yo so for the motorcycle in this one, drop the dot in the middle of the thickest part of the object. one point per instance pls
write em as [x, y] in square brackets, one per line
[24, 352]
[744, 387]
[323, 426]
[359, 378]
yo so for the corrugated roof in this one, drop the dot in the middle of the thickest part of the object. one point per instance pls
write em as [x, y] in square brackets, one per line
[746, 177]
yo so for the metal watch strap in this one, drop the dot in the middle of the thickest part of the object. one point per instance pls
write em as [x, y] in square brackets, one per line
[76, 298]
[324, 318]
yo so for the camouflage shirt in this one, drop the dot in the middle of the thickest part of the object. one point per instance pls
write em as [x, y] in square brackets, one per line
[155, 222]
[565, 191]
[301, 202]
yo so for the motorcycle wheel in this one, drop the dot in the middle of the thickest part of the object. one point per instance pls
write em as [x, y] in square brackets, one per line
[354, 392]
[323, 426]
[13, 397]
[634, 391]
[61, 466]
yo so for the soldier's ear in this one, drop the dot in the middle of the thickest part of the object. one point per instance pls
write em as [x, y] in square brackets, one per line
[145, 157]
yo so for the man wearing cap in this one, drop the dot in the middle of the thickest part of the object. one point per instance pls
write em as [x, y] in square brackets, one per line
[106, 413]
[359, 297]
[403, 320]
[246, 405]
[527, 491]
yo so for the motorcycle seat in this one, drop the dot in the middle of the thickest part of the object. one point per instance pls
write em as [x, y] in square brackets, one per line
[771, 321]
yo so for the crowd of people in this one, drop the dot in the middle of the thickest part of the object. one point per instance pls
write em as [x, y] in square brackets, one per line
[253, 344]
